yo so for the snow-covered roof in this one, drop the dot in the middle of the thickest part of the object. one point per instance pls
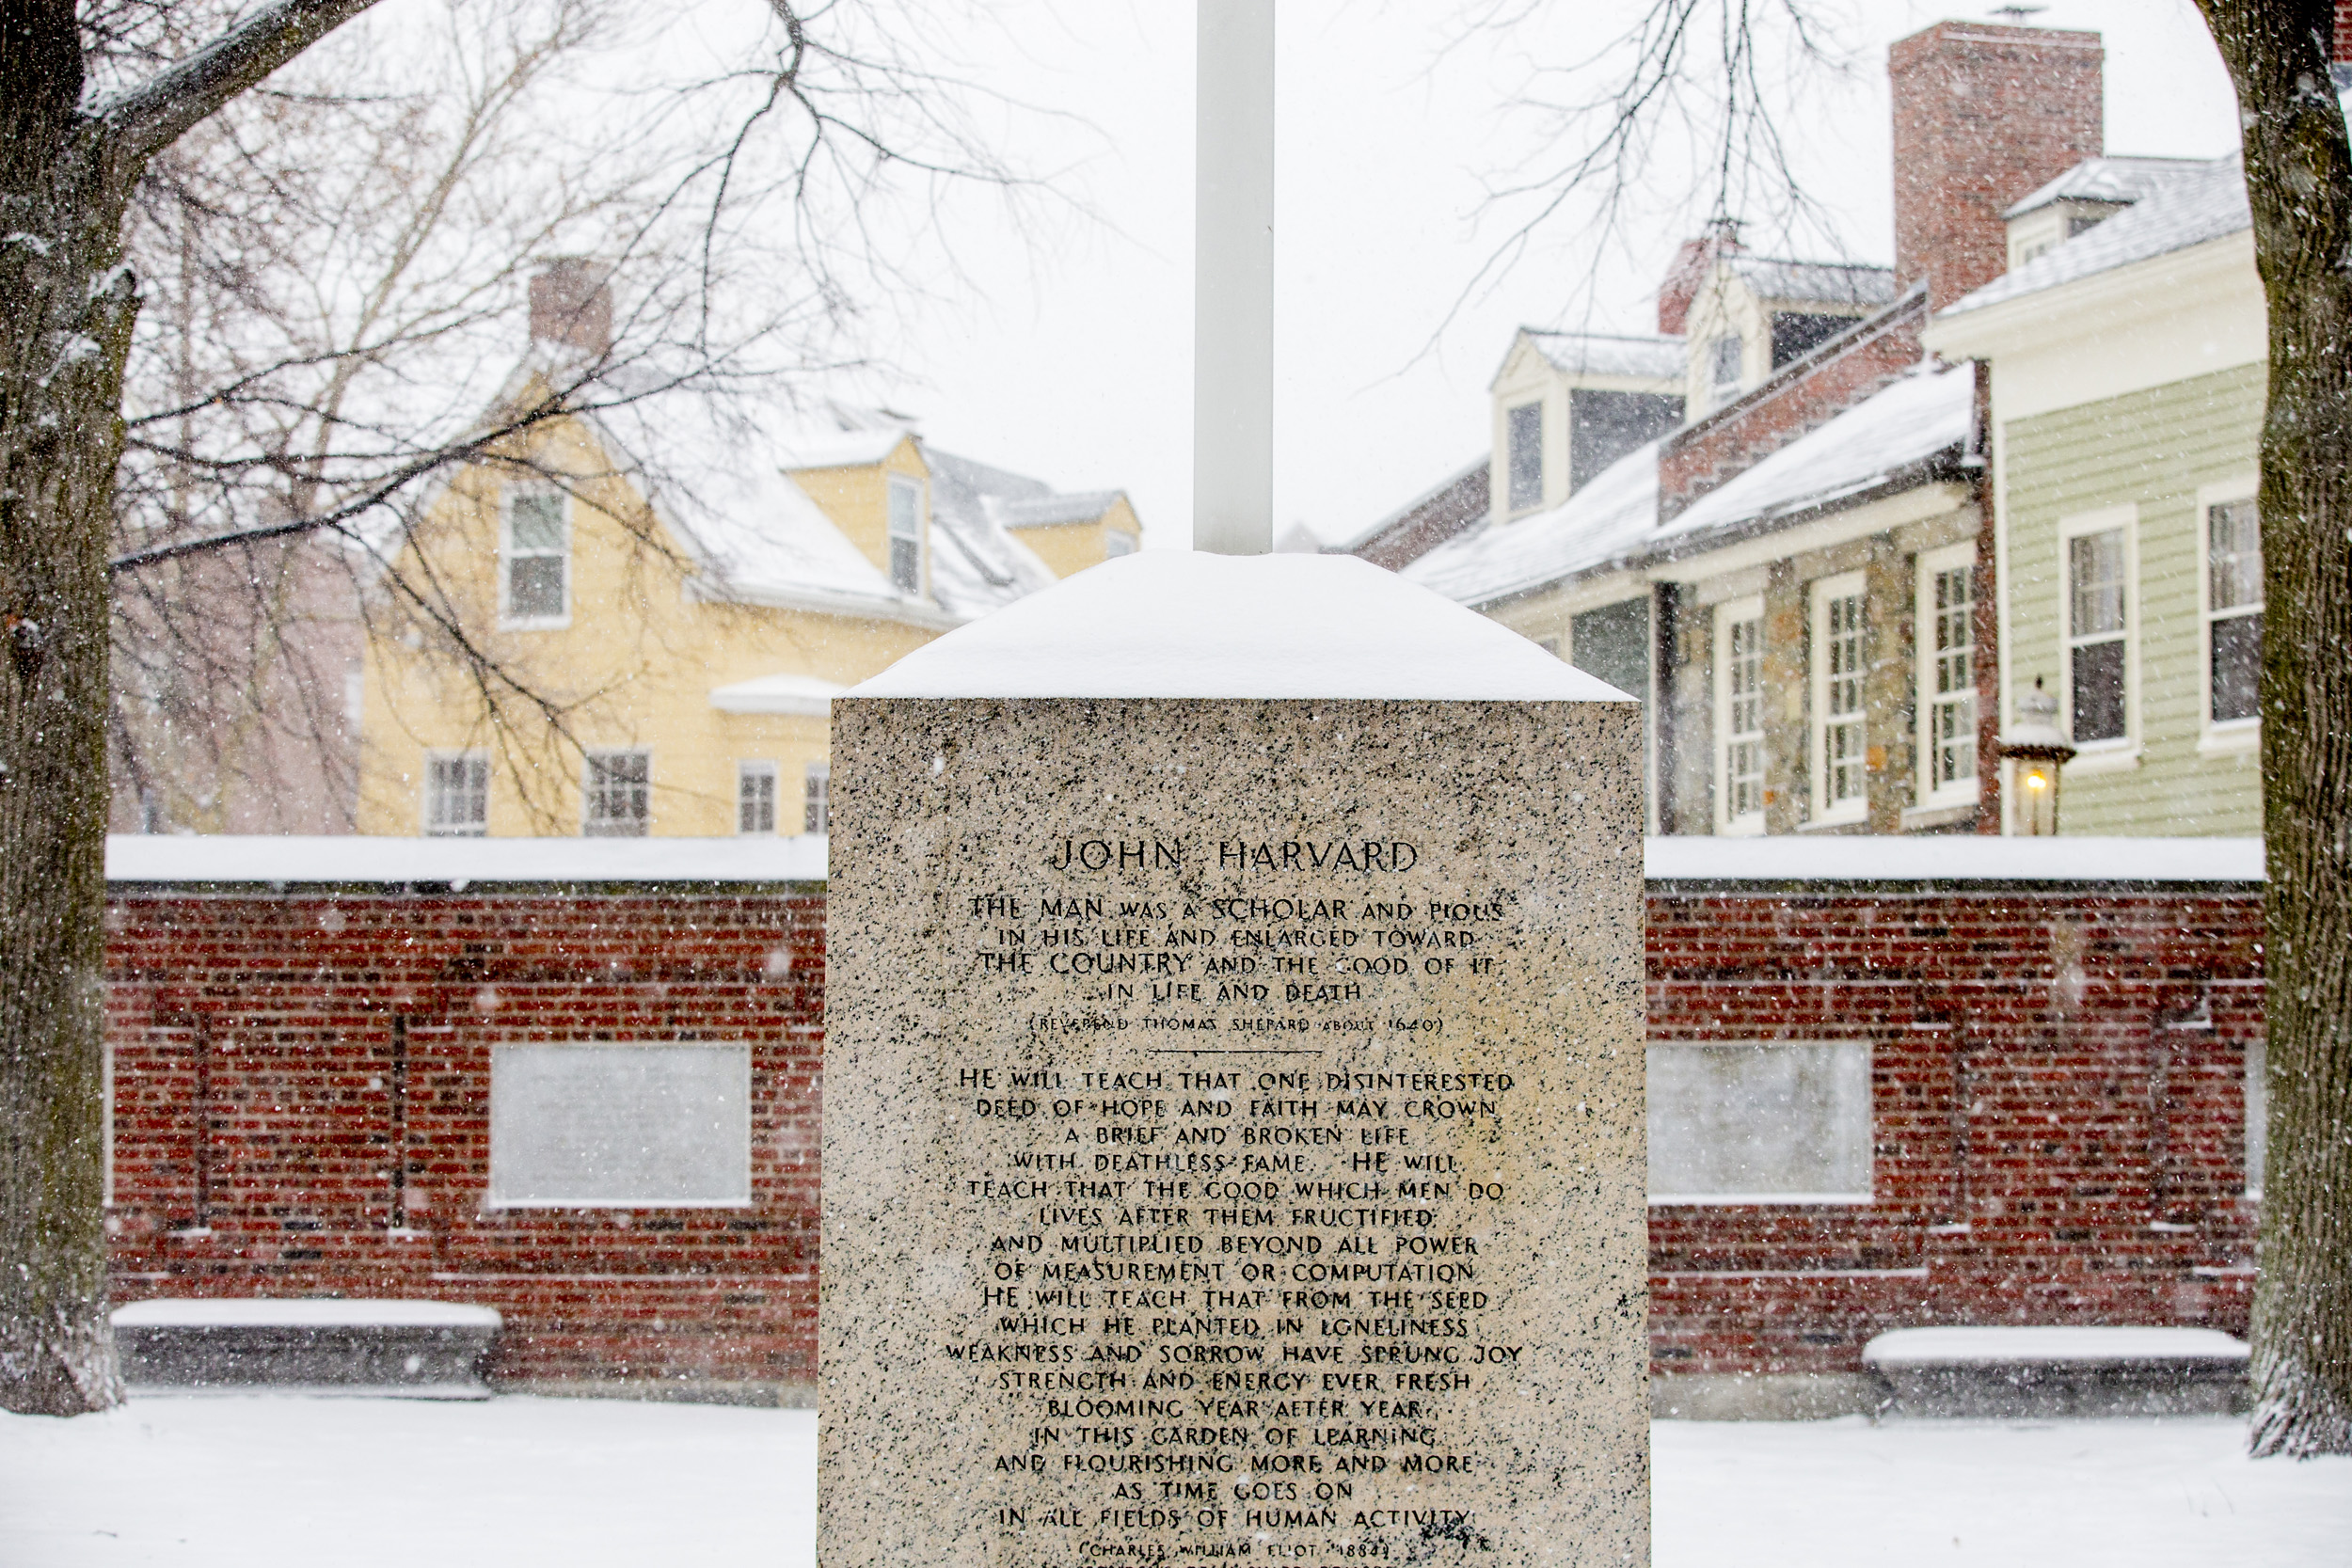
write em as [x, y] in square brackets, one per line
[1475, 466]
[1083, 506]
[1952, 858]
[1849, 283]
[302, 1312]
[839, 449]
[1602, 354]
[1956, 858]
[2115, 180]
[2044, 1343]
[786, 694]
[976, 565]
[1186, 624]
[1908, 423]
[1612, 522]
[223, 858]
[2204, 200]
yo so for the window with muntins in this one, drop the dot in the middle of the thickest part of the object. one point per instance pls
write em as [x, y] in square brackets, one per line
[1740, 715]
[817, 815]
[1724, 356]
[1949, 681]
[1777, 1122]
[537, 564]
[1524, 456]
[906, 534]
[2233, 611]
[2096, 643]
[754, 797]
[458, 796]
[618, 793]
[1837, 625]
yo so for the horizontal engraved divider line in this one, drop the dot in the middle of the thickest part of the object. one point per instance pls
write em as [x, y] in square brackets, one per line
[1239, 1050]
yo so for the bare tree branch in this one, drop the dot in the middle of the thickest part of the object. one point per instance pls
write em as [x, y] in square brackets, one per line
[141, 120]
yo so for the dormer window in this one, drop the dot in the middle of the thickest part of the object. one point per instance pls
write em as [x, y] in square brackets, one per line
[906, 534]
[1524, 456]
[1723, 365]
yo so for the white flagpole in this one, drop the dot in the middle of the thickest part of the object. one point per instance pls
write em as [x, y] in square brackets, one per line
[1232, 353]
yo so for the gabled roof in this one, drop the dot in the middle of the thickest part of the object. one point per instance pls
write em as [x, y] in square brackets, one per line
[974, 563]
[1604, 354]
[1851, 284]
[2115, 180]
[2204, 200]
[1612, 524]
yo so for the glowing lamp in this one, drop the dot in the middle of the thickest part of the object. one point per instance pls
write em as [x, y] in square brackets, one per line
[2038, 751]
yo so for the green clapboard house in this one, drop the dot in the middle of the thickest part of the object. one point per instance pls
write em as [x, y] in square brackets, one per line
[2128, 368]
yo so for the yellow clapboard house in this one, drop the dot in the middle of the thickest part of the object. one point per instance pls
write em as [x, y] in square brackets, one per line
[661, 601]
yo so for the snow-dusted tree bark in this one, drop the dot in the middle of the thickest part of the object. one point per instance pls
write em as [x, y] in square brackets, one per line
[67, 309]
[2299, 179]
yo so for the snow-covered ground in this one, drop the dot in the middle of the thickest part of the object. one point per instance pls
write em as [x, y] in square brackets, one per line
[258, 1482]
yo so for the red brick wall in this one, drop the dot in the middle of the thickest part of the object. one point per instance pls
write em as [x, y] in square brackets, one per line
[1804, 396]
[1984, 117]
[2058, 1108]
[301, 1107]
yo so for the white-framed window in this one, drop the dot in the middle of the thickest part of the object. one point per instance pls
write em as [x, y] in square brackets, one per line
[2257, 1115]
[1118, 542]
[817, 815]
[1740, 715]
[616, 794]
[1841, 773]
[1946, 632]
[1523, 455]
[1772, 1121]
[754, 797]
[620, 1126]
[457, 793]
[2097, 613]
[906, 533]
[535, 558]
[1724, 357]
[2234, 615]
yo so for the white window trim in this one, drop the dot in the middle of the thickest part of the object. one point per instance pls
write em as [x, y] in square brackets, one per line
[2238, 734]
[1820, 590]
[1930, 796]
[1729, 611]
[922, 530]
[810, 774]
[746, 768]
[424, 803]
[2122, 751]
[587, 766]
[506, 539]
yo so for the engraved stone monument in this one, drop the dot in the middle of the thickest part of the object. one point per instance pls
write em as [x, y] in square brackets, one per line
[1233, 1117]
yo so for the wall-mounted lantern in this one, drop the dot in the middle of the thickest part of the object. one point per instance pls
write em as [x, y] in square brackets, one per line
[2038, 750]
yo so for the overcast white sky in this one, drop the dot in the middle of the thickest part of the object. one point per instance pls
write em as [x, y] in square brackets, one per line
[1067, 352]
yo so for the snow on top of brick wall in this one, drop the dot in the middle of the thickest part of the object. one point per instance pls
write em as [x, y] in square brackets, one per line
[359, 858]
[1936, 858]
[1953, 858]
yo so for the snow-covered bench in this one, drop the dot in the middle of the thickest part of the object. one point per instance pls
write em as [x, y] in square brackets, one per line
[2019, 1370]
[422, 1349]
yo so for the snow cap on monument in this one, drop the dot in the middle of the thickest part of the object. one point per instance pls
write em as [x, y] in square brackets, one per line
[1187, 623]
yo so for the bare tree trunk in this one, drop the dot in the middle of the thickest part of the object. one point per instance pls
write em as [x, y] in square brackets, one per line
[67, 307]
[2298, 177]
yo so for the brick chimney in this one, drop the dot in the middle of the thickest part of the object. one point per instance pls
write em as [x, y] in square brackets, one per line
[1983, 115]
[571, 304]
[1690, 270]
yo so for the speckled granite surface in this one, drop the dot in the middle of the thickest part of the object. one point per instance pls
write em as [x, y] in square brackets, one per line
[1234, 1134]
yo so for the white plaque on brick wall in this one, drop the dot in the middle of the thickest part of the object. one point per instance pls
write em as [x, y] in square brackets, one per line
[620, 1126]
[1777, 1122]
